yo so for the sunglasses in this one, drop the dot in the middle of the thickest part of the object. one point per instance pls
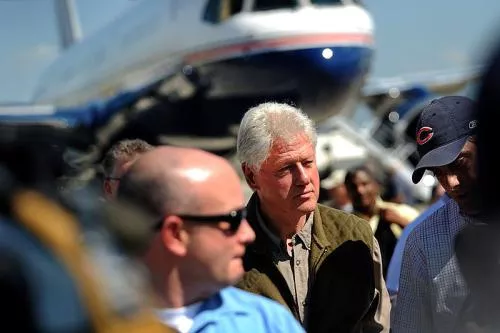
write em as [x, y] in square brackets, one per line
[234, 218]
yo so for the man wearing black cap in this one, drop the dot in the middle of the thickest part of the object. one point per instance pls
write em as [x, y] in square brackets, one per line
[433, 294]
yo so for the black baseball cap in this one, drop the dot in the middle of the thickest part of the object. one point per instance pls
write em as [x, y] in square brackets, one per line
[442, 131]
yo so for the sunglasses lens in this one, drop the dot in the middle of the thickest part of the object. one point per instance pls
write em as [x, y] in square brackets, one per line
[237, 219]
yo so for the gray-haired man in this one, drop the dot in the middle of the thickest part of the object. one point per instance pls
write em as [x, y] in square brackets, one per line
[323, 264]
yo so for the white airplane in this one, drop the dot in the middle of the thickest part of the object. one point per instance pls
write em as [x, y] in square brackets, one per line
[229, 54]
[239, 47]
[193, 67]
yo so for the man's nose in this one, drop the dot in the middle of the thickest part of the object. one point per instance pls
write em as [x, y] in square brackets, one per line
[246, 233]
[452, 181]
[302, 177]
[360, 190]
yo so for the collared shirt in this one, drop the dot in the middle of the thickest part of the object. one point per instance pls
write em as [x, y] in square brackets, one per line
[181, 319]
[432, 290]
[235, 310]
[292, 260]
[395, 265]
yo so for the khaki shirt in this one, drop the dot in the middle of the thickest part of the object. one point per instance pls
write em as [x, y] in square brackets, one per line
[297, 276]
[292, 260]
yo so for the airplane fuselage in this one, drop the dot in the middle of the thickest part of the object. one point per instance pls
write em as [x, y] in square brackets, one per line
[310, 55]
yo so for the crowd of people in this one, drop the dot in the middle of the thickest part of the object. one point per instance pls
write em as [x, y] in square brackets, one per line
[281, 262]
[313, 260]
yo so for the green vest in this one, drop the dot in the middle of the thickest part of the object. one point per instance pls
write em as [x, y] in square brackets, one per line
[341, 282]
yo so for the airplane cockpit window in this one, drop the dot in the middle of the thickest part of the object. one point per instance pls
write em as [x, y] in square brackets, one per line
[220, 10]
[326, 2]
[274, 4]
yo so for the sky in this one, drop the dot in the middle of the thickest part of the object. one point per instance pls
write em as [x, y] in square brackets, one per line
[411, 36]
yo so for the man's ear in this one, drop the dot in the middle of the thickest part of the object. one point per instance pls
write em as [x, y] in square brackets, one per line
[174, 236]
[249, 176]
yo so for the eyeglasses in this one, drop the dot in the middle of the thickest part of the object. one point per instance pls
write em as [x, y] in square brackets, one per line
[234, 218]
[112, 178]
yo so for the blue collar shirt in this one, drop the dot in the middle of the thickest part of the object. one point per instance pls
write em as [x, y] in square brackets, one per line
[237, 311]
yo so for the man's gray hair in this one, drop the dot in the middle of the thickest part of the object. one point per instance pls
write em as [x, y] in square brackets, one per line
[124, 149]
[265, 123]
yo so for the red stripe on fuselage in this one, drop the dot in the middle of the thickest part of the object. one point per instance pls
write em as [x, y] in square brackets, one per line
[304, 40]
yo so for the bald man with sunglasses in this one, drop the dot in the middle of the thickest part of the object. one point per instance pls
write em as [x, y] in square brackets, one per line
[200, 236]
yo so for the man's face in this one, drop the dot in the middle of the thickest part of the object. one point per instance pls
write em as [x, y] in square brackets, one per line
[288, 180]
[214, 253]
[459, 179]
[363, 191]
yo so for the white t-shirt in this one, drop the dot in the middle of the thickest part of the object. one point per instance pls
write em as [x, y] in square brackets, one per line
[180, 319]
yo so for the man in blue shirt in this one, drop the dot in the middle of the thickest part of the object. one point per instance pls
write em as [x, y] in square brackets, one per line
[196, 252]
[433, 294]
[394, 270]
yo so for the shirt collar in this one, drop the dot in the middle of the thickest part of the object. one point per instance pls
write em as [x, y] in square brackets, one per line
[275, 240]
[221, 304]
[304, 234]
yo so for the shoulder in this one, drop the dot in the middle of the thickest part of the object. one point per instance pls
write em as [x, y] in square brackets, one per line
[237, 297]
[255, 305]
[341, 224]
[343, 219]
[434, 226]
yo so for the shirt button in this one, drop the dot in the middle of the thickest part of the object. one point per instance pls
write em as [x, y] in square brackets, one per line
[297, 262]
[304, 303]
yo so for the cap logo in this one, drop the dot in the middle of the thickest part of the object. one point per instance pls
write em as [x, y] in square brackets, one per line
[424, 135]
[472, 124]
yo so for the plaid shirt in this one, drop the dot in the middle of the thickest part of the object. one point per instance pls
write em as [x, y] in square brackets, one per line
[432, 290]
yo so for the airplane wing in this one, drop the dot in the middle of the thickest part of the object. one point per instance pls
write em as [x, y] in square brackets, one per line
[98, 113]
[91, 115]
[438, 82]
[403, 93]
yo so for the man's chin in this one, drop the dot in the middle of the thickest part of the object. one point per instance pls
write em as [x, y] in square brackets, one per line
[236, 271]
[307, 207]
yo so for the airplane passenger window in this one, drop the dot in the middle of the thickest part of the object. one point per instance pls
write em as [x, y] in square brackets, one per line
[219, 10]
[274, 4]
[326, 2]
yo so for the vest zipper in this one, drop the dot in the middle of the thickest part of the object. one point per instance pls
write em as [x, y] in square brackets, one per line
[314, 270]
[325, 250]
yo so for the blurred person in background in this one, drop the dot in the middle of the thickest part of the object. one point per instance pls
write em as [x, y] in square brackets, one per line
[338, 197]
[56, 251]
[196, 252]
[386, 219]
[117, 160]
[397, 188]
[433, 295]
[321, 263]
